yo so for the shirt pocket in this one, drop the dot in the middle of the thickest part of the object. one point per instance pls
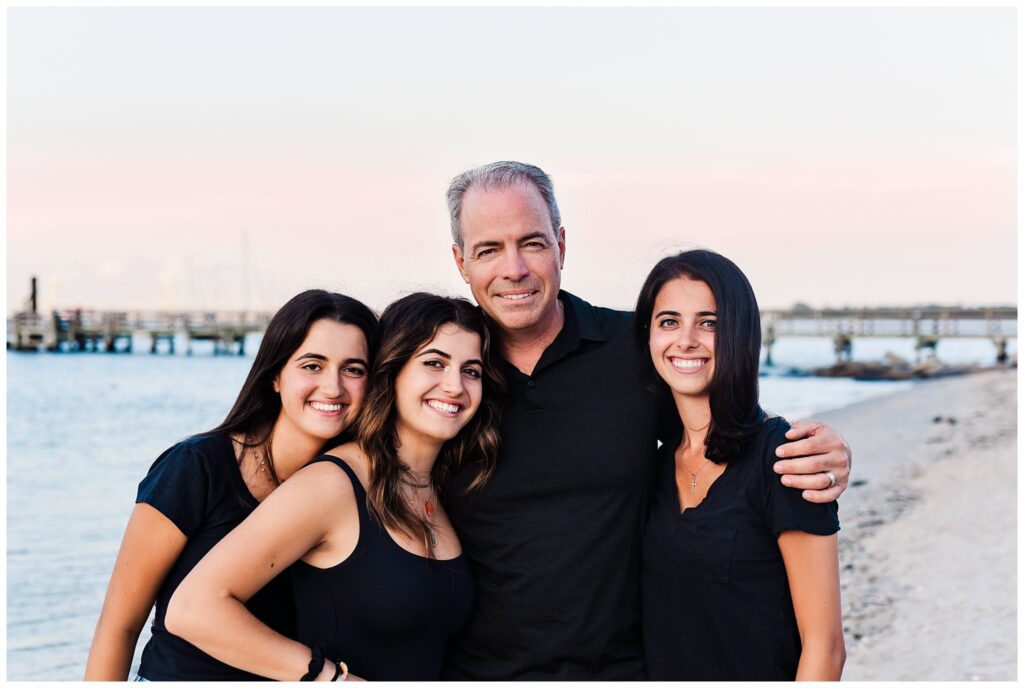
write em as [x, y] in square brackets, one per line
[705, 553]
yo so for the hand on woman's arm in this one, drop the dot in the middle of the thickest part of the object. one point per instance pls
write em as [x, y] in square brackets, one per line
[151, 545]
[208, 607]
[815, 449]
[812, 566]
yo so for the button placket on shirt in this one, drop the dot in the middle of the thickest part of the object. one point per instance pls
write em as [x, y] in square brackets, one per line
[533, 396]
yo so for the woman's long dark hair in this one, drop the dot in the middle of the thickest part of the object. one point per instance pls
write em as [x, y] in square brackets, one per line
[735, 412]
[258, 406]
[407, 325]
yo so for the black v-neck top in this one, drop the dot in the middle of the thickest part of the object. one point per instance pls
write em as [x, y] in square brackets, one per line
[384, 611]
[716, 600]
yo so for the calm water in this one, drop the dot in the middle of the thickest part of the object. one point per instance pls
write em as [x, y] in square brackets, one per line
[82, 429]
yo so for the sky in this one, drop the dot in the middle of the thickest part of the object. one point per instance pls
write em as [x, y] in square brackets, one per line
[203, 158]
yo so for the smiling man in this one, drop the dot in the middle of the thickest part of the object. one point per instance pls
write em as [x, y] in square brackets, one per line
[512, 258]
[553, 536]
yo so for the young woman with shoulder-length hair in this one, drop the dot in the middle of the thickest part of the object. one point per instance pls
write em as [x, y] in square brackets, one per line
[304, 390]
[379, 580]
[740, 574]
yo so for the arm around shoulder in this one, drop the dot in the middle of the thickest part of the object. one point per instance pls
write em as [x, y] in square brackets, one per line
[208, 607]
[814, 450]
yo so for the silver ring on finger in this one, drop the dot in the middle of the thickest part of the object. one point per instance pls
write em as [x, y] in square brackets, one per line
[831, 479]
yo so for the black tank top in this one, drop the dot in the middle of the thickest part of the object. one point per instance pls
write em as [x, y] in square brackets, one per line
[384, 611]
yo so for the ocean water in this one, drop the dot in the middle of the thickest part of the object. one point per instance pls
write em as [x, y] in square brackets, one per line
[81, 432]
[82, 429]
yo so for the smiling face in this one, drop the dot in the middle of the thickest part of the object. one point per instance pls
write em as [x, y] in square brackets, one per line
[511, 257]
[439, 388]
[682, 336]
[323, 382]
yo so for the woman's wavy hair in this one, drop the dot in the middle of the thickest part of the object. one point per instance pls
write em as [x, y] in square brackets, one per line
[735, 411]
[407, 325]
[258, 406]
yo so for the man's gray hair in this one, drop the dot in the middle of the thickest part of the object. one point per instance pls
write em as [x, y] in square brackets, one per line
[500, 175]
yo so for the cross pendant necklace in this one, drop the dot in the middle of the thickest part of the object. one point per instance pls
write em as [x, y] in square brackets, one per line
[694, 474]
[682, 458]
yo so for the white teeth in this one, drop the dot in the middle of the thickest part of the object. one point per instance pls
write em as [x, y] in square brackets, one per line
[688, 364]
[319, 406]
[515, 297]
[443, 407]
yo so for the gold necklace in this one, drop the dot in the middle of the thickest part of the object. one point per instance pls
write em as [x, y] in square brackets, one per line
[261, 463]
[682, 457]
[693, 474]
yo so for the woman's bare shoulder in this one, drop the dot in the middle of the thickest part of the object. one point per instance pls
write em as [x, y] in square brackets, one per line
[320, 481]
[353, 455]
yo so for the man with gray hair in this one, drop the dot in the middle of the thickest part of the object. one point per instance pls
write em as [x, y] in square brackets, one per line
[553, 537]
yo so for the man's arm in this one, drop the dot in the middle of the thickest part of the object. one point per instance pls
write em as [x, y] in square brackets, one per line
[814, 450]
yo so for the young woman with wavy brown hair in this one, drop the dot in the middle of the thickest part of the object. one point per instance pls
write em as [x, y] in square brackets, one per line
[412, 323]
[379, 579]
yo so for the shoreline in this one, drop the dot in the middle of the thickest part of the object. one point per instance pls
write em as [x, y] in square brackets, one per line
[928, 547]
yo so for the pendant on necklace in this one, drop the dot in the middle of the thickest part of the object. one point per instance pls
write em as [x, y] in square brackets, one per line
[693, 482]
[428, 507]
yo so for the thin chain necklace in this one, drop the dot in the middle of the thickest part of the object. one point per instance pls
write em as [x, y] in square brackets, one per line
[410, 483]
[682, 457]
[261, 461]
[428, 506]
[693, 474]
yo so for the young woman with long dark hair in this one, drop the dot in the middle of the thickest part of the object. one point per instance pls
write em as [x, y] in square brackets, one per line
[304, 389]
[740, 574]
[379, 579]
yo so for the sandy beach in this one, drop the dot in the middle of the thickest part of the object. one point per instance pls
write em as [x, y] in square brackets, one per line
[928, 547]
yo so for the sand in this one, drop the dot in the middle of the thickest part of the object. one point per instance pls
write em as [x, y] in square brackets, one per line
[928, 547]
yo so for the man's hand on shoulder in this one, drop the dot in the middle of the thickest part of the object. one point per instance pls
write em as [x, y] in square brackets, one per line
[814, 451]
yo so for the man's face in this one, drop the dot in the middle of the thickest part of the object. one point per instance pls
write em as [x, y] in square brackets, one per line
[511, 258]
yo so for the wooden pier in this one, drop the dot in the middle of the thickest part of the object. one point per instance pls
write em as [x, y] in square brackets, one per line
[114, 331]
[81, 330]
[926, 325]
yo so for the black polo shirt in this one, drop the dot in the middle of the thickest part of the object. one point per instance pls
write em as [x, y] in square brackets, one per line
[554, 536]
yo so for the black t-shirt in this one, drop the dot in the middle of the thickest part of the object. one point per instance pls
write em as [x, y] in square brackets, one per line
[554, 535]
[196, 484]
[716, 601]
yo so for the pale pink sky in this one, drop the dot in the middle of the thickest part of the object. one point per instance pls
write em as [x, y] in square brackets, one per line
[203, 158]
